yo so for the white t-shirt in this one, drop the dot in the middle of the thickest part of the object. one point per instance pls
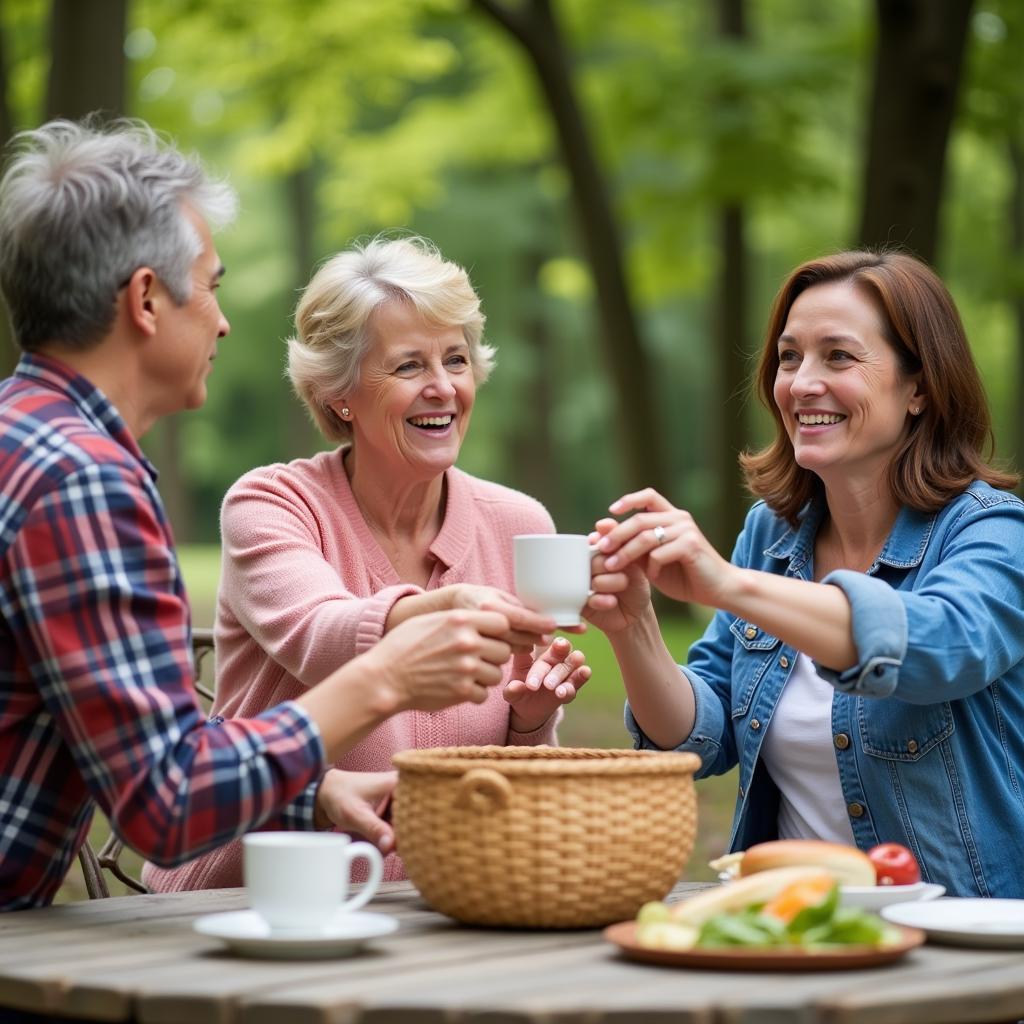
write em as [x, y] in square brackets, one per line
[799, 754]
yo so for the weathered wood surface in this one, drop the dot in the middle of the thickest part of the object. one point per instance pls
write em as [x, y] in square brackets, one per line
[136, 958]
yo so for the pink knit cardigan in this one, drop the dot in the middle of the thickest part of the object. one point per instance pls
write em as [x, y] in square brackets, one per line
[305, 588]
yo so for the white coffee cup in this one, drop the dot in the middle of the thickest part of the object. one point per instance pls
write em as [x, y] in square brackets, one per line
[298, 881]
[552, 572]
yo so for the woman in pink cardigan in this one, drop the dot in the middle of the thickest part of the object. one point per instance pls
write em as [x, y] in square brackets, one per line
[323, 556]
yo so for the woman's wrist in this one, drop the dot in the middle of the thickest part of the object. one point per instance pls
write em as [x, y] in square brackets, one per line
[638, 634]
[516, 723]
[411, 605]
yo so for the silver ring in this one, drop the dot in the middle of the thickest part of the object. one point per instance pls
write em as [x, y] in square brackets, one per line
[659, 534]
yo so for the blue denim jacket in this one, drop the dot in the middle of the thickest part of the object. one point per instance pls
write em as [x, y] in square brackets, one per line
[928, 726]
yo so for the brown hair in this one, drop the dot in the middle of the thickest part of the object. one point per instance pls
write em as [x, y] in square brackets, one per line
[949, 444]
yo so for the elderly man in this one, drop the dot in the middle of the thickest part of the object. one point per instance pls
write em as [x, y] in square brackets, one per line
[110, 275]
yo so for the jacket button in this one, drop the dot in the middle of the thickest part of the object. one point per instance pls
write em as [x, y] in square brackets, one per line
[912, 746]
[750, 632]
[856, 810]
[841, 740]
[784, 661]
[755, 723]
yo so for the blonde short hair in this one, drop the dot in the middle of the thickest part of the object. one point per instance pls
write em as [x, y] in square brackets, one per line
[332, 318]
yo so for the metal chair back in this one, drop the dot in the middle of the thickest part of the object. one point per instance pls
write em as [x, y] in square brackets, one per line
[109, 856]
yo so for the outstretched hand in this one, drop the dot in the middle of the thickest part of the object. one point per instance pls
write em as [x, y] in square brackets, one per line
[435, 660]
[538, 686]
[668, 546]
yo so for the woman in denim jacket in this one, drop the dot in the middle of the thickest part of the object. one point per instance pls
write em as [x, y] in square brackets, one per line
[865, 668]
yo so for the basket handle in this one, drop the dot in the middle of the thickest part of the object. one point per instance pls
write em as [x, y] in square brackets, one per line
[483, 790]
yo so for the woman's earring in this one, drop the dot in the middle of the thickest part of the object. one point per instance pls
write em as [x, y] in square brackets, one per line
[916, 411]
[346, 412]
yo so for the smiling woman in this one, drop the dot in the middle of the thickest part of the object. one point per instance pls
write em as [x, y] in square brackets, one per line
[865, 669]
[324, 556]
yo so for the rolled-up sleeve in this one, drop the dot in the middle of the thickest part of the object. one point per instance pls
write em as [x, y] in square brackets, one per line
[879, 635]
[956, 625]
[708, 727]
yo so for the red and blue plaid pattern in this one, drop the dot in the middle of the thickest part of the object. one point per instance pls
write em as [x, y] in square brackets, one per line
[96, 683]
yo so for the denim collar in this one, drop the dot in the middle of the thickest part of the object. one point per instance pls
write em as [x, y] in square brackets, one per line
[903, 549]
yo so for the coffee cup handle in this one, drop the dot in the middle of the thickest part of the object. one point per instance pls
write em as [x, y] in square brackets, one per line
[369, 853]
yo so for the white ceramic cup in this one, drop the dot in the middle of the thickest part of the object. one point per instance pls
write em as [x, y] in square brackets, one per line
[298, 881]
[552, 573]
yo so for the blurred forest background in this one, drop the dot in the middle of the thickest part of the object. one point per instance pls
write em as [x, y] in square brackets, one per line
[627, 183]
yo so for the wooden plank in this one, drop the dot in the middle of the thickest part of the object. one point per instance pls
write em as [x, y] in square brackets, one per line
[113, 959]
[405, 955]
[953, 995]
[520, 980]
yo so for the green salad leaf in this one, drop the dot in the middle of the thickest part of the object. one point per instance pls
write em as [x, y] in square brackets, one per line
[823, 925]
[748, 928]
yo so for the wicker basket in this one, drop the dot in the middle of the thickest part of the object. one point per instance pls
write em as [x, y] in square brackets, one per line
[544, 837]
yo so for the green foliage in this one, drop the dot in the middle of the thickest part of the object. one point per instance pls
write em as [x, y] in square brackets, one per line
[422, 115]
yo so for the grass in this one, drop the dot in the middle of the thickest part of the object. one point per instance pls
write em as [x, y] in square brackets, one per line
[593, 720]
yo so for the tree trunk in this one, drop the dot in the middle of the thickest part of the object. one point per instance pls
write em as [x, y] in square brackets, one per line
[87, 75]
[536, 470]
[87, 69]
[8, 350]
[1017, 260]
[165, 449]
[730, 338]
[534, 26]
[918, 64]
[731, 435]
[301, 435]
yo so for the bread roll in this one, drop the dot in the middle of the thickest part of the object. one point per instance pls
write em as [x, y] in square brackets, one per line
[847, 864]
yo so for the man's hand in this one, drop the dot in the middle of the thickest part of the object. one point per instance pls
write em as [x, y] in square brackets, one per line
[439, 659]
[354, 802]
[527, 628]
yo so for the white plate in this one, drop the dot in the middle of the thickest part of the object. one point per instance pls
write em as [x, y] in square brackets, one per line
[246, 932]
[965, 922]
[874, 897]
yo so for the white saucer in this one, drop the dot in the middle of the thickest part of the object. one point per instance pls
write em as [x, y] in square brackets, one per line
[246, 932]
[965, 922]
[874, 897]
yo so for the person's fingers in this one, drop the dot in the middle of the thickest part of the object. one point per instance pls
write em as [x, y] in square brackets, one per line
[556, 676]
[363, 820]
[480, 693]
[611, 544]
[522, 620]
[581, 676]
[517, 638]
[486, 623]
[496, 652]
[610, 583]
[649, 535]
[488, 675]
[525, 620]
[574, 630]
[646, 500]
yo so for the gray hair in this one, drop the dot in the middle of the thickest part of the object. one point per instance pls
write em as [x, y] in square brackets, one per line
[332, 318]
[82, 207]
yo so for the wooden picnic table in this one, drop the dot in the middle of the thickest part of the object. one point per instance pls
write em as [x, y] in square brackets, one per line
[137, 958]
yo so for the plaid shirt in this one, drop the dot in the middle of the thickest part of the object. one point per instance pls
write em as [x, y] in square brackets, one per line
[96, 681]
